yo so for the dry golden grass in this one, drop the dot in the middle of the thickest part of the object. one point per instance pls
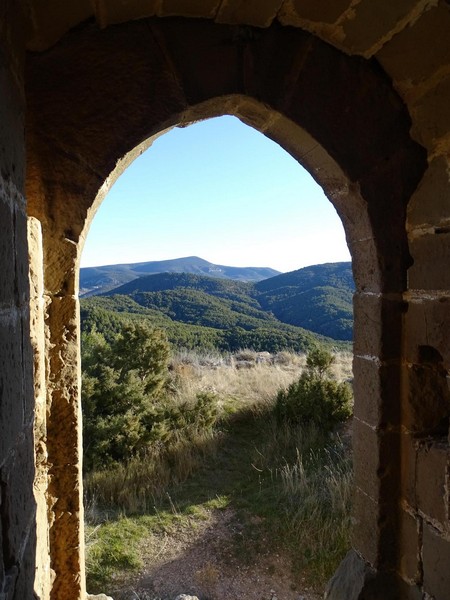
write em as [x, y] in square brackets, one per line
[247, 378]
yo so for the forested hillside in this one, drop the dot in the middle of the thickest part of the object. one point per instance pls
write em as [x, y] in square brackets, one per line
[286, 311]
[318, 298]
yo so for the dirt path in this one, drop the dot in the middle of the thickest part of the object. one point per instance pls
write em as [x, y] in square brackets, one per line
[206, 558]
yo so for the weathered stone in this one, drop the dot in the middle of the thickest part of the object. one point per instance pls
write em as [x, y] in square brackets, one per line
[410, 567]
[427, 322]
[296, 12]
[367, 26]
[409, 447]
[377, 391]
[436, 558]
[431, 120]
[376, 460]
[248, 12]
[193, 8]
[7, 250]
[51, 21]
[430, 204]
[427, 250]
[403, 57]
[357, 580]
[427, 406]
[432, 481]
[379, 313]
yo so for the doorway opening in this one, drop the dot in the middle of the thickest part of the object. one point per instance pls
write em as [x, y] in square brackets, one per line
[262, 278]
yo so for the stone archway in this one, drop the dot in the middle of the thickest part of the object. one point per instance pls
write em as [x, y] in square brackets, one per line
[382, 81]
[95, 100]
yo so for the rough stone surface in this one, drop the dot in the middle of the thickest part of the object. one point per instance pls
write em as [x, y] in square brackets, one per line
[357, 580]
[436, 557]
[427, 322]
[410, 542]
[429, 205]
[432, 481]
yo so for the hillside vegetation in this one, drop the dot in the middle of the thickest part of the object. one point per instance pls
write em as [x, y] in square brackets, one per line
[96, 280]
[288, 311]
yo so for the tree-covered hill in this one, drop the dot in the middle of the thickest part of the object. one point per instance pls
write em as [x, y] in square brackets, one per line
[287, 311]
[319, 298]
[97, 280]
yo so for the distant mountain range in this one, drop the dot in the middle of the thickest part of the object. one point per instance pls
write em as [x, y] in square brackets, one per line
[97, 280]
[285, 311]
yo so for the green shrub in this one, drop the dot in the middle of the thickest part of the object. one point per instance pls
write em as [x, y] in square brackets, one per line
[315, 398]
[123, 382]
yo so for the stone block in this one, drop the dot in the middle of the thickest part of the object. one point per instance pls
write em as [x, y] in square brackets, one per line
[377, 391]
[375, 529]
[427, 323]
[366, 267]
[21, 257]
[11, 383]
[7, 251]
[430, 252]
[370, 22]
[350, 578]
[64, 411]
[18, 505]
[430, 115]
[432, 480]
[376, 461]
[426, 408]
[408, 591]
[380, 323]
[403, 56]
[53, 19]
[296, 12]
[410, 547]
[194, 8]
[408, 445]
[12, 160]
[109, 12]
[248, 12]
[430, 204]
[436, 561]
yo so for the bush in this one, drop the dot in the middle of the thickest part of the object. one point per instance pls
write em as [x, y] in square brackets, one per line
[315, 398]
[122, 384]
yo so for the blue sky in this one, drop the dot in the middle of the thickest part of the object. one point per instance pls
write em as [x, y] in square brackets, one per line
[220, 190]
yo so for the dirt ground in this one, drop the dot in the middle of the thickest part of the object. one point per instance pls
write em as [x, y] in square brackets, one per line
[207, 559]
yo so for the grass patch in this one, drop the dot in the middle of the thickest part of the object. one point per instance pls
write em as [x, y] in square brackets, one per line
[112, 552]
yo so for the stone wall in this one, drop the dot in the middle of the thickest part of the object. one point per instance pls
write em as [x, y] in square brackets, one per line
[17, 504]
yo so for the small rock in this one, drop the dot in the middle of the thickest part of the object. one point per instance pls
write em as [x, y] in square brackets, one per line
[98, 597]
[186, 597]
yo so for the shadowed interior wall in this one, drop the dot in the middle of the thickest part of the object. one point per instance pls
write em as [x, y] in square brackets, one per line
[17, 504]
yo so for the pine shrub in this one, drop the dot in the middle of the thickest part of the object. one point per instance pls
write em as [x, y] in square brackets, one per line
[315, 398]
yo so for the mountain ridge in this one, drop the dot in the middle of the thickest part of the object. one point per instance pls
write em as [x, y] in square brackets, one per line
[97, 280]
